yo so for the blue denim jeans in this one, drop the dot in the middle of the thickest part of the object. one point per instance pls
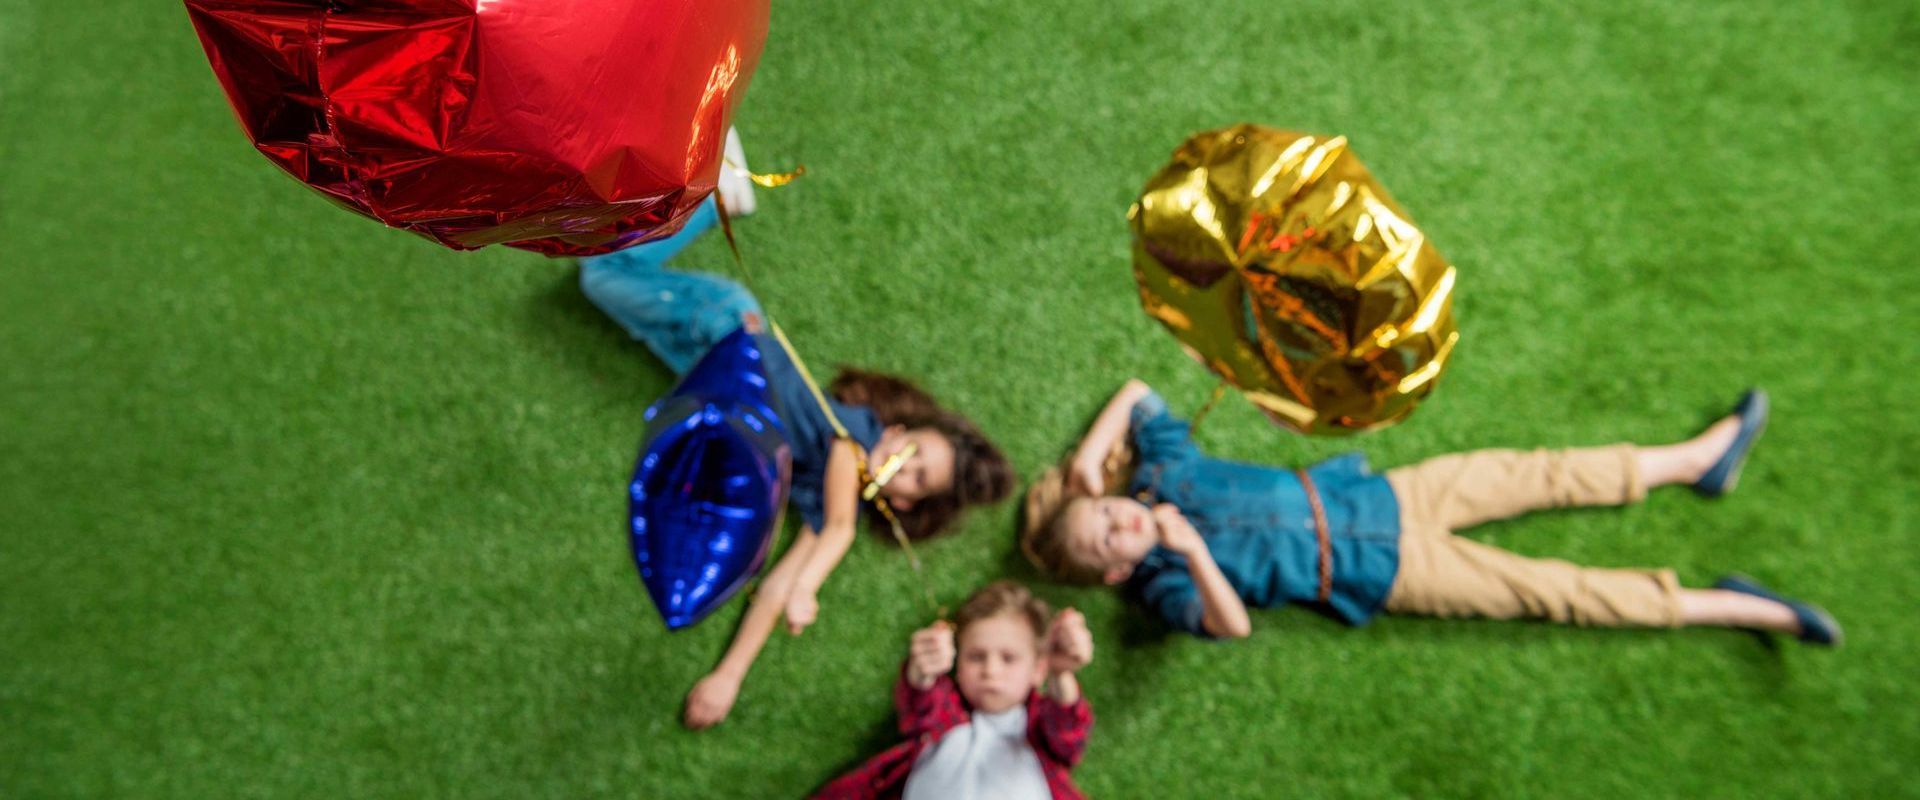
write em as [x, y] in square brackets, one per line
[678, 315]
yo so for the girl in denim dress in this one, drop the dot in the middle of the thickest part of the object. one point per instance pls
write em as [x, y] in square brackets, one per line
[679, 315]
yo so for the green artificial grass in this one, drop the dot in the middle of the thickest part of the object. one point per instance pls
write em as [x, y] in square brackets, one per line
[296, 506]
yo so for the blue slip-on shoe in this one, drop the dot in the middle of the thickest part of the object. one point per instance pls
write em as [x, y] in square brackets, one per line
[1816, 625]
[1725, 473]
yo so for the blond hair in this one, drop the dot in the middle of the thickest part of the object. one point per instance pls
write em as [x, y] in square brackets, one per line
[1043, 534]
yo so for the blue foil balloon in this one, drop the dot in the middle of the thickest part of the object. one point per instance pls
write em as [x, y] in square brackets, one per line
[710, 483]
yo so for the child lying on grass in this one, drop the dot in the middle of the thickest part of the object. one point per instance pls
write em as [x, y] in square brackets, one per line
[680, 315]
[1210, 537]
[1007, 724]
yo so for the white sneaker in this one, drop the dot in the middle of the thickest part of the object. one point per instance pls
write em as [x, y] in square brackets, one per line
[736, 188]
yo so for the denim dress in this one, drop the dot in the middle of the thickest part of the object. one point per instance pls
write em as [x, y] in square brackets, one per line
[680, 315]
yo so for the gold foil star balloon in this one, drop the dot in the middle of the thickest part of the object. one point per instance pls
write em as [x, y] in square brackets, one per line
[1282, 265]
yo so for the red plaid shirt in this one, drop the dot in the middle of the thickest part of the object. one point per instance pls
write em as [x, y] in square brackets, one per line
[1058, 734]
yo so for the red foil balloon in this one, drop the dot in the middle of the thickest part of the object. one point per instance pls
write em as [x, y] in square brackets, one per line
[567, 128]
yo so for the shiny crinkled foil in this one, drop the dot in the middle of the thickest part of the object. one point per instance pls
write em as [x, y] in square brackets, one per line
[566, 128]
[1280, 263]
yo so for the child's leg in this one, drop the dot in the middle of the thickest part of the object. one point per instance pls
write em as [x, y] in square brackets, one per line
[1735, 610]
[678, 315]
[655, 254]
[712, 698]
[1444, 575]
[1685, 462]
[1464, 489]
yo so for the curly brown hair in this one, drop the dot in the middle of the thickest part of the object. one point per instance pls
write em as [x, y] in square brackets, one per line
[895, 400]
[981, 474]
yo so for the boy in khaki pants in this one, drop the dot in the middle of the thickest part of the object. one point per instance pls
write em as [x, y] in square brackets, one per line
[1209, 537]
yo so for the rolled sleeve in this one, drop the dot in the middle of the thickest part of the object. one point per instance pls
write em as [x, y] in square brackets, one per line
[935, 709]
[1157, 433]
[1170, 593]
[1061, 729]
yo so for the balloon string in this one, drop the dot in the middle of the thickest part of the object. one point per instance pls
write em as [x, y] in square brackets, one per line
[1219, 391]
[870, 483]
[1146, 494]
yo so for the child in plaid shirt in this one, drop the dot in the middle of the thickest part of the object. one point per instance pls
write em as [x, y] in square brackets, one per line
[1008, 723]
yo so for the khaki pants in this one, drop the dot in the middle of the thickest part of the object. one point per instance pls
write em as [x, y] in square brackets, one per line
[1444, 575]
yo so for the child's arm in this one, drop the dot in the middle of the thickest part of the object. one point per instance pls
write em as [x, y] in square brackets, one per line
[712, 698]
[842, 500]
[930, 655]
[925, 698]
[1088, 471]
[1069, 647]
[1223, 614]
[1062, 725]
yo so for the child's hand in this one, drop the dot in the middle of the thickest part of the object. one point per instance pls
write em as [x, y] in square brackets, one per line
[1069, 643]
[802, 609]
[1176, 533]
[711, 699]
[930, 655]
[1086, 476]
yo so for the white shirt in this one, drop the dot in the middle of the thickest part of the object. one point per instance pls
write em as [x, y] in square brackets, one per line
[986, 759]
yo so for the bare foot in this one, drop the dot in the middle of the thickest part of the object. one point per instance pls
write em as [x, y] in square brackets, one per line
[710, 700]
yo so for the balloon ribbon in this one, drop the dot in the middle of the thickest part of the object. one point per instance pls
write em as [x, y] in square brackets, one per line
[869, 480]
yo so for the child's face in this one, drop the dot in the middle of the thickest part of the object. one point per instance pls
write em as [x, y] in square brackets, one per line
[999, 663]
[1111, 533]
[928, 472]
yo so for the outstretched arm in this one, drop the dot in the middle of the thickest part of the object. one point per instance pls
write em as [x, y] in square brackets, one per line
[712, 698]
[842, 498]
[1089, 464]
[1063, 719]
[925, 698]
[1069, 648]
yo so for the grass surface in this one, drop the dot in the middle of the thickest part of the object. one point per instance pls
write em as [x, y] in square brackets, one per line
[297, 506]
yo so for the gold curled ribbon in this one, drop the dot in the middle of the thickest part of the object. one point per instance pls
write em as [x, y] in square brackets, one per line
[888, 470]
[870, 483]
[774, 180]
[770, 180]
